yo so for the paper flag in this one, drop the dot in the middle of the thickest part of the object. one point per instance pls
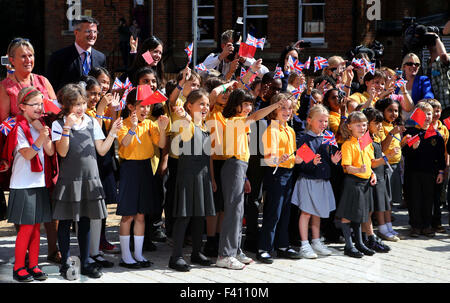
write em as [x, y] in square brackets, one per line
[143, 92]
[305, 153]
[365, 140]
[156, 97]
[49, 106]
[247, 50]
[413, 140]
[148, 57]
[447, 122]
[418, 116]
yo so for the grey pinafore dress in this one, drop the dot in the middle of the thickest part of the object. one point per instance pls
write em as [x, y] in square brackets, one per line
[79, 192]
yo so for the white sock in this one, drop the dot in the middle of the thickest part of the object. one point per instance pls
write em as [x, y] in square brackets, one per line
[125, 249]
[383, 229]
[94, 241]
[138, 243]
[305, 243]
[283, 249]
[389, 226]
[315, 241]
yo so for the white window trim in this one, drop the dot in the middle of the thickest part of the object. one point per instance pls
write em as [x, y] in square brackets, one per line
[316, 40]
[246, 16]
[195, 17]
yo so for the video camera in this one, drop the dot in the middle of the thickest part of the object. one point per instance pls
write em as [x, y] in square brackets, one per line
[418, 36]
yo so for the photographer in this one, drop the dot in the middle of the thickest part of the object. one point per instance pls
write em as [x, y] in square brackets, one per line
[438, 67]
[228, 60]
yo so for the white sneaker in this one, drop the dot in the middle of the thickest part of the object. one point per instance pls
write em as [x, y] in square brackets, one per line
[321, 248]
[244, 259]
[307, 252]
[229, 262]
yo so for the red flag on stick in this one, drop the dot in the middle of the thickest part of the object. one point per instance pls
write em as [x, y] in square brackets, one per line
[49, 106]
[143, 92]
[365, 140]
[413, 140]
[156, 97]
[246, 50]
[418, 116]
[305, 153]
[447, 122]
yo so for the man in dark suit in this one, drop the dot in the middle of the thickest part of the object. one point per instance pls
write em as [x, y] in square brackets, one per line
[67, 65]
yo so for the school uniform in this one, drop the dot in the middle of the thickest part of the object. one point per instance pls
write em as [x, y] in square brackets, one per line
[278, 140]
[356, 200]
[421, 169]
[362, 98]
[233, 179]
[394, 175]
[137, 189]
[313, 193]
[381, 190]
[436, 220]
[193, 189]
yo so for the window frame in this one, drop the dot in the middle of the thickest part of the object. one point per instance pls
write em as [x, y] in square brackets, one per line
[246, 16]
[314, 40]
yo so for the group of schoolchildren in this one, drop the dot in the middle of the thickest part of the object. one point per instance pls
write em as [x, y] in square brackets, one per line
[201, 134]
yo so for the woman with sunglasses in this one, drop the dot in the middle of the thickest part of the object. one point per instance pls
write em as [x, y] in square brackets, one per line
[21, 55]
[418, 87]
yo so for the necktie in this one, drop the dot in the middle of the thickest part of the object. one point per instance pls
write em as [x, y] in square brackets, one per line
[86, 63]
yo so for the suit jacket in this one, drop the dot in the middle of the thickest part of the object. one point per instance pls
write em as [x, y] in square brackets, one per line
[65, 66]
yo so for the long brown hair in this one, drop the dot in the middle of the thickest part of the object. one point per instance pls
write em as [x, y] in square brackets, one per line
[354, 117]
[68, 95]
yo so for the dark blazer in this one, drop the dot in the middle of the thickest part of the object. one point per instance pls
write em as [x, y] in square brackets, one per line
[65, 66]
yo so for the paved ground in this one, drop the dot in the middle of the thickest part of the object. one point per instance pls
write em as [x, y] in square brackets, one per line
[411, 260]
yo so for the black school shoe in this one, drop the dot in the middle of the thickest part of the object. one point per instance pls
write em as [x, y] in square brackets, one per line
[289, 253]
[25, 278]
[264, 259]
[38, 276]
[200, 259]
[129, 265]
[353, 252]
[179, 264]
[366, 251]
[91, 271]
[102, 263]
[145, 263]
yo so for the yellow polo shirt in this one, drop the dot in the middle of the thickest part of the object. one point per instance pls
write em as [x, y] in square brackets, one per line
[278, 140]
[387, 127]
[235, 139]
[352, 155]
[216, 121]
[148, 133]
[334, 120]
[362, 98]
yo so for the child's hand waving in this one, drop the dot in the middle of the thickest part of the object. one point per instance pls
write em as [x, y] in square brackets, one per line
[336, 157]
[163, 121]
[134, 121]
[70, 120]
[317, 159]
[116, 126]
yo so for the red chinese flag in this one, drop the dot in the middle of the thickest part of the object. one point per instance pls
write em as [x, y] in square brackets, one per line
[305, 153]
[246, 50]
[413, 140]
[365, 140]
[156, 97]
[49, 106]
[419, 116]
[430, 132]
[148, 57]
[143, 92]
[447, 122]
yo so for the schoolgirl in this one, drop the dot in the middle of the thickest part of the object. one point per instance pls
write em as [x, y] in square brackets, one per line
[78, 194]
[193, 190]
[391, 137]
[137, 190]
[236, 145]
[313, 193]
[279, 148]
[30, 153]
[356, 199]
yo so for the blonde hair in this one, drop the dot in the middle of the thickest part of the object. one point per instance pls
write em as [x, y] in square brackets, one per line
[27, 93]
[333, 62]
[16, 43]
[387, 70]
[410, 55]
[424, 105]
[434, 103]
[293, 77]
[354, 117]
[315, 110]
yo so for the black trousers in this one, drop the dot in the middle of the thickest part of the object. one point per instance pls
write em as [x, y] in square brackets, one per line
[421, 195]
[436, 218]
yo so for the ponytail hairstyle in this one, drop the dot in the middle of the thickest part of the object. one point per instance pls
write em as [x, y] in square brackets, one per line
[235, 100]
[317, 109]
[382, 104]
[68, 95]
[97, 71]
[354, 117]
[27, 93]
[193, 97]
[88, 82]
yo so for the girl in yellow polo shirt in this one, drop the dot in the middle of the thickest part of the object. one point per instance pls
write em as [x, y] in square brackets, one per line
[137, 189]
[236, 150]
[356, 199]
[279, 148]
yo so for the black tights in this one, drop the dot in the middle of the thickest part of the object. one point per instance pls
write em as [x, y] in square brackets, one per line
[83, 239]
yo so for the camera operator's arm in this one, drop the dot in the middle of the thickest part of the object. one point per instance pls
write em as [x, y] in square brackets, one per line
[440, 47]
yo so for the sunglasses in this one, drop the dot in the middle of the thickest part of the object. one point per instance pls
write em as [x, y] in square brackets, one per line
[412, 63]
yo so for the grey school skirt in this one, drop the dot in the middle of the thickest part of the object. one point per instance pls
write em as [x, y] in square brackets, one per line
[314, 196]
[29, 206]
[356, 200]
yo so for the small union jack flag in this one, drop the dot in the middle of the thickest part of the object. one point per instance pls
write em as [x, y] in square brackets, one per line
[7, 125]
[328, 138]
[400, 83]
[307, 63]
[188, 51]
[278, 73]
[371, 68]
[251, 40]
[243, 72]
[260, 43]
[123, 100]
[291, 62]
[319, 63]
[297, 92]
[201, 67]
[298, 66]
[358, 62]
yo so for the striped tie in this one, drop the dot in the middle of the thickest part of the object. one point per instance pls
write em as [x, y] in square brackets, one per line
[86, 64]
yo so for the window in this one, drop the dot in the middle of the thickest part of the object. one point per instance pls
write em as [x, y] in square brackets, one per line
[203, 21]
[255, 18]
[311, 20]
